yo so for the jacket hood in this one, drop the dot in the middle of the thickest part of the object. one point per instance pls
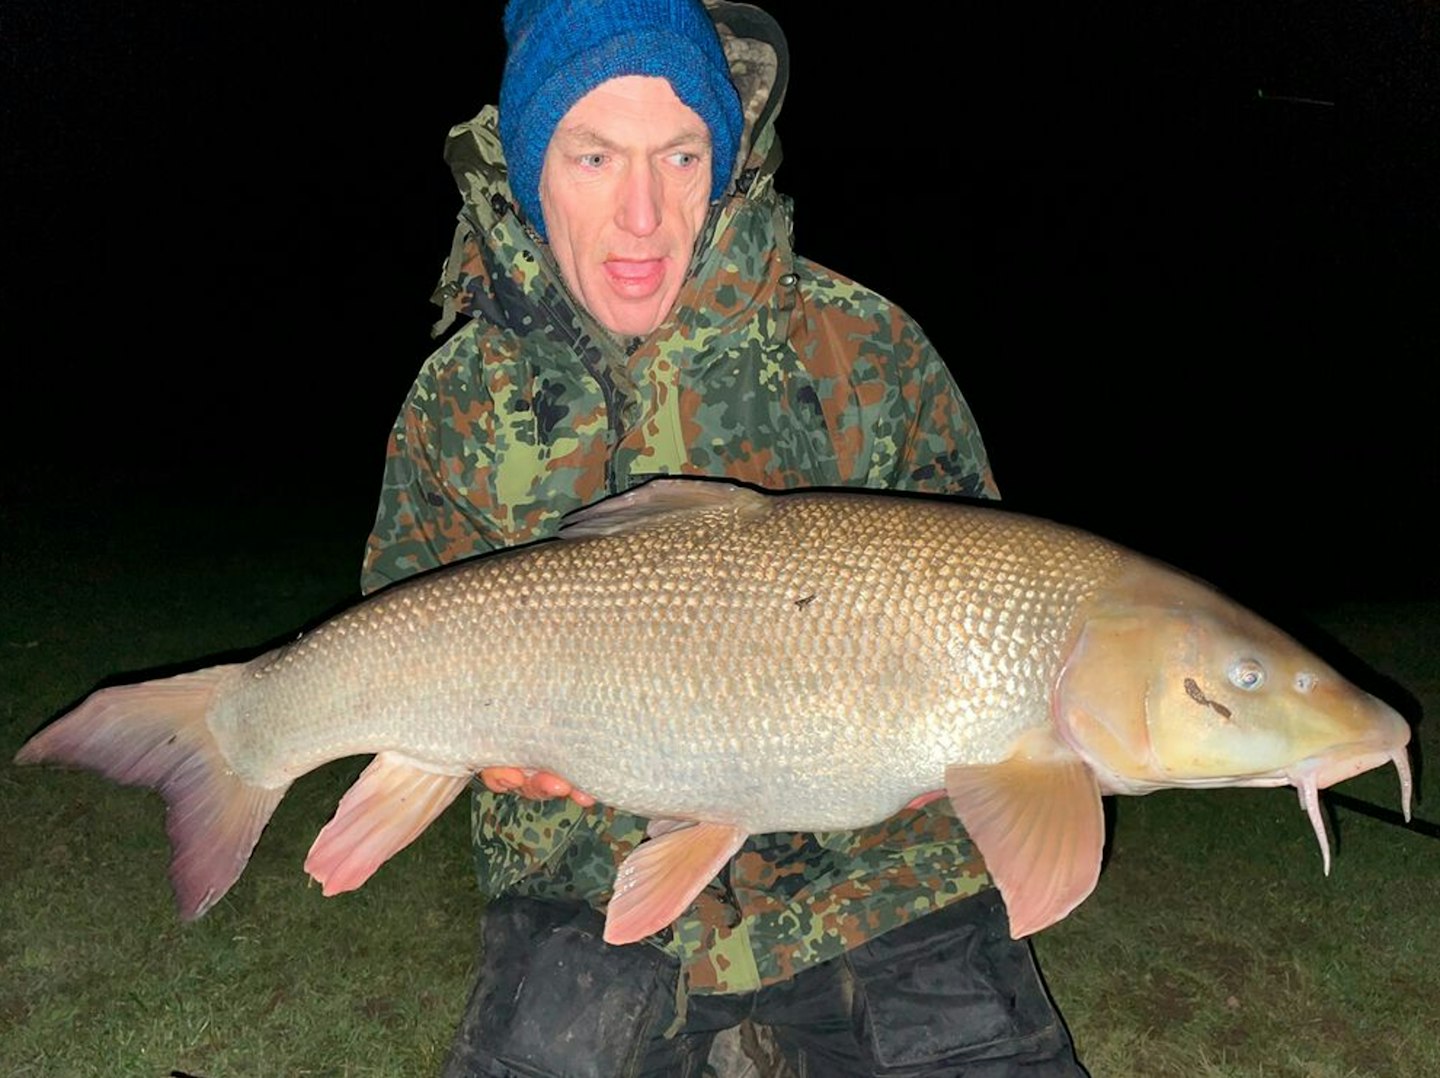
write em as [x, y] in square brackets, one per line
[499, 269]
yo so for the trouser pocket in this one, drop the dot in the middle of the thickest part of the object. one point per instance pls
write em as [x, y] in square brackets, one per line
[953, 988]
[552, 998]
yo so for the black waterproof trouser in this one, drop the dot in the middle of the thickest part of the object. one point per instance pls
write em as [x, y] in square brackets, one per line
[948, 994]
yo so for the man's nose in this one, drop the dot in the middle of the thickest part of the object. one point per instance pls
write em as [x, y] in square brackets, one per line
[639, 210]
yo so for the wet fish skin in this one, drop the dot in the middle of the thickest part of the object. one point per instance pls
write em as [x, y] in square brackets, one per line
[702, 653]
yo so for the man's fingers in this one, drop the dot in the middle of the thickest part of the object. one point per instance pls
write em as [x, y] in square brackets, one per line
[502, 780]
[925, 799]
[536, 785]
[542, 784]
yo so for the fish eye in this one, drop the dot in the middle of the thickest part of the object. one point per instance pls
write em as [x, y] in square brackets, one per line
[1304, 681]
[1246, 674]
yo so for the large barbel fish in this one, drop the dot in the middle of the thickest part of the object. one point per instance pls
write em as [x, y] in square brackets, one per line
[730, 662]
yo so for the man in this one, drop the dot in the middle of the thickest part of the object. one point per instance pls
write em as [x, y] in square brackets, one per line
[636, 310]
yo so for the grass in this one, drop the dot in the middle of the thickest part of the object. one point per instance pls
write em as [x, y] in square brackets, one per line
[99, 976]
[1213, 946]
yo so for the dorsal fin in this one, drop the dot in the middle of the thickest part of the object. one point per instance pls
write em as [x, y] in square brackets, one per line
[661, 501]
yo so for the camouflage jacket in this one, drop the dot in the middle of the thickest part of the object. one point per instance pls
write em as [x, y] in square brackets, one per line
[771, 370]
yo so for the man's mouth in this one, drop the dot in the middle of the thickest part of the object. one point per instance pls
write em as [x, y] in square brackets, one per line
[635, 277]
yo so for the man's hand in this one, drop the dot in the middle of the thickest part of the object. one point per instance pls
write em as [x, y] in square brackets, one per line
[925, 799]
[536, 785]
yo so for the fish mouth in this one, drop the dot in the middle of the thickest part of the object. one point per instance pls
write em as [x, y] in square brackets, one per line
[1311, 776]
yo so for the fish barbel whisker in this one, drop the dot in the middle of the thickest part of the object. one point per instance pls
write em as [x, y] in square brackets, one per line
[1309, 791]
[1401, 759]
[1307, 784]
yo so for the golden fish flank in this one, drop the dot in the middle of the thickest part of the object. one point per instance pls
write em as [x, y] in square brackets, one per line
[730, 662]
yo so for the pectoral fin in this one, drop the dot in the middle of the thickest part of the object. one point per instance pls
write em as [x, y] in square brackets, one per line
[391, 802]
[1039, 823]
[663, 875]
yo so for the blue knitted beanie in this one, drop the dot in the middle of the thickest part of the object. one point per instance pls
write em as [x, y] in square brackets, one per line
[560, 50]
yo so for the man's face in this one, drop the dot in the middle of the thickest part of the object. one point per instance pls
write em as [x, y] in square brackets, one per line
[624, 188]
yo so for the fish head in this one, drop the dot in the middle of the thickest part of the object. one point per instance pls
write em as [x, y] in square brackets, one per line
[1169, 683]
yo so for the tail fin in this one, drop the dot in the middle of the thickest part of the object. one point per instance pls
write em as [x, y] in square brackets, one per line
[154, 734]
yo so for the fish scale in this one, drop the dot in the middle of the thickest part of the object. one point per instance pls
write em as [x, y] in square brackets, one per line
[814, 605]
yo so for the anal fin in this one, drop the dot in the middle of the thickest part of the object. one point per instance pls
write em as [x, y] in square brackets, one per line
[392, 801]
[1039, 823]
[662, 876]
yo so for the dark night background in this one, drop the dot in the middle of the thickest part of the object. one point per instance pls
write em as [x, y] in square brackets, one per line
[1183, 259]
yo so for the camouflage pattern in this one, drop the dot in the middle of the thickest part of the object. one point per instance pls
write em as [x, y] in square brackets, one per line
[771, 370]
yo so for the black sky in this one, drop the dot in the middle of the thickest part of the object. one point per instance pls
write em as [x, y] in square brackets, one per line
[1182, 259]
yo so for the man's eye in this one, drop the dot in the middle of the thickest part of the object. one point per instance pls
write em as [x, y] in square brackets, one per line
[592, 160]
[684, 159]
